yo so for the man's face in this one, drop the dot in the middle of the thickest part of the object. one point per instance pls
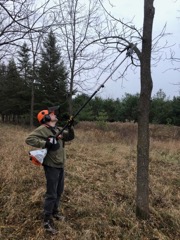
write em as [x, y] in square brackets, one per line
[53, 117]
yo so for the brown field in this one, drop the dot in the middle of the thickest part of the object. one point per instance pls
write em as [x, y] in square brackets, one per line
[100, 185]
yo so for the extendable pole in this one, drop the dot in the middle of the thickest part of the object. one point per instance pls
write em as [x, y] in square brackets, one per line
[101, 86]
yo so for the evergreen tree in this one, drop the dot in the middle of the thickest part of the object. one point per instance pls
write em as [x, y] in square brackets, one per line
[176, 111]
[129, 107]
[15, 99]
[86, 114]
[53, 75]
[118, 111]
[161, 108]
[97, 106]
[3, 70]
[24, 64]
[110, 109]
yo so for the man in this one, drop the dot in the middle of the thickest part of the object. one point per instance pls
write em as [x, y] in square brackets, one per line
[45, 136]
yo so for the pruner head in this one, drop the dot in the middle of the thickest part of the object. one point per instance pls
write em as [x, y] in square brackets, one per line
[129, 52]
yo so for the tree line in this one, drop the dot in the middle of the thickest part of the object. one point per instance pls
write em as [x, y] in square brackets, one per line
[162, 111]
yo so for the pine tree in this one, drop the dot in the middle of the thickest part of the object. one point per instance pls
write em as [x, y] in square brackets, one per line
[53, 74]
[24, 64]
[176, 110]
[15, 99]
[2, 89]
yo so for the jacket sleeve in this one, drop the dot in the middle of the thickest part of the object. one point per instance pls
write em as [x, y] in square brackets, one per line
[68, 134]
[36, 138]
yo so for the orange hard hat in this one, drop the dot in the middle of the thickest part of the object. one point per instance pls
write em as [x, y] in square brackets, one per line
[43, 116]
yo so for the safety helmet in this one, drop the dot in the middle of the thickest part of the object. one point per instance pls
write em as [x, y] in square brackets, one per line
[43, 116]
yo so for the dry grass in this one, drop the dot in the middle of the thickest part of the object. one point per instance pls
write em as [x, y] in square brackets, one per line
[99, 197]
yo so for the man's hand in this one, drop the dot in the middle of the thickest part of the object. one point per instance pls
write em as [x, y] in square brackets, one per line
[71, 121]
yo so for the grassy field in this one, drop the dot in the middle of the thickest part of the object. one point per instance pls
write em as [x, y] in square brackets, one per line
[100, 185]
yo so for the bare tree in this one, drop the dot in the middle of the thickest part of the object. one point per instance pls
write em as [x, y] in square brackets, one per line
[144, 55]
[35, 43]
[18, 19]
[142, 201]
[175, 60]
[76, 25]
[128, 39]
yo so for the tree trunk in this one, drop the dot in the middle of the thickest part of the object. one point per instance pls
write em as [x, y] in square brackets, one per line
[32, 105]
[142, 197]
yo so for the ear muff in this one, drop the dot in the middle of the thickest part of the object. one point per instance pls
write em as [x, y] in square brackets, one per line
[46, 118]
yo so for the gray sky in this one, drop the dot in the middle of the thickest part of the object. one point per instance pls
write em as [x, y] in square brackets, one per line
[166, 11]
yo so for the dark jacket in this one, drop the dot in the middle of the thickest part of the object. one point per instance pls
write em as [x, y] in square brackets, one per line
[38, 138]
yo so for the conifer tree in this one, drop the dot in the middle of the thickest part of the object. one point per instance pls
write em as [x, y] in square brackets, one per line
[15, 101]
[53, 74]
[2, 89]
[24, 64]
[176, 111]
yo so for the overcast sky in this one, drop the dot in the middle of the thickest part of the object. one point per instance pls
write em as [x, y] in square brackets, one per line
[166, 11]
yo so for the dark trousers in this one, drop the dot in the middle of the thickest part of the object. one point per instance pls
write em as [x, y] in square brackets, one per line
[54, 189]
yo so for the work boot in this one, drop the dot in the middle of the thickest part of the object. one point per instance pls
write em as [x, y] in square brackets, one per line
[58, 217]
[49, 226]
